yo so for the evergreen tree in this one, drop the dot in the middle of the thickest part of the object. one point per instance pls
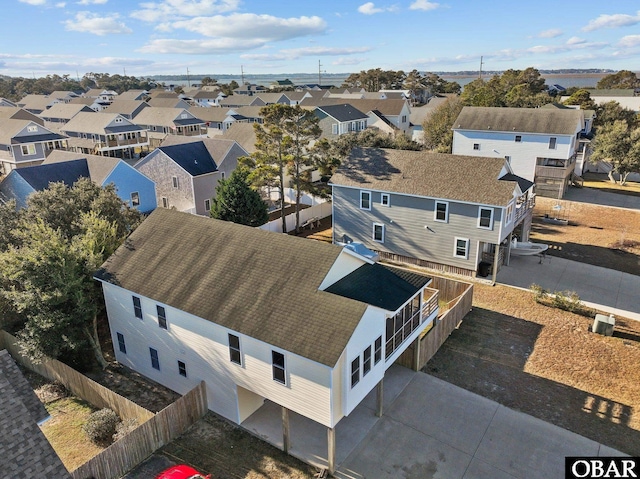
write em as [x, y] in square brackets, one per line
[236, 201]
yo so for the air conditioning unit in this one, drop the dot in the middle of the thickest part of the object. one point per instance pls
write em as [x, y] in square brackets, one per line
[604, 324]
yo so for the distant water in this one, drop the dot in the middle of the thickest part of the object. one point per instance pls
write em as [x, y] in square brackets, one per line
[567, 80]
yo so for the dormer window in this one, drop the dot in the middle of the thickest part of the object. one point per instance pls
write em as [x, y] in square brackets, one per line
[32, 128]
[118, 120]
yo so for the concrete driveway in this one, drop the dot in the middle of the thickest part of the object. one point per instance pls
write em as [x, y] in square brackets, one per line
[432, 429]
[604, 198]
[617, 292]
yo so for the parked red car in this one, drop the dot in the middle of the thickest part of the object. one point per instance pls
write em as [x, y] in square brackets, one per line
[181, 471]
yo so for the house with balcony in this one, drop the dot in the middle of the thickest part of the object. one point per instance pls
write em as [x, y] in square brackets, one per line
[61, 113]
[160, 122]
[452, 213]
[193, 299]
[105, 134]
[542, 145]
[336, 120]
[26, 143]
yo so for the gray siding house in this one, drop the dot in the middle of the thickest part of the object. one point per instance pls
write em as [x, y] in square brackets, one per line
[443, 211]
[336, 120]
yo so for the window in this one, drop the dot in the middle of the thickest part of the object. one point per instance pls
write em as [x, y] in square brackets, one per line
[162, 317]
[401, 325]
[366, 361]
[135, 199]
[32, 128]
[476, 146]
[509, 213]
[365, 200]
[461, 249]
[137, 307]
[334, 128]
[28, 149]
[165, 202]
[552, 143]
[378, 232]
[182, 369]
[377, 350]
[118, 120]
[155, 362]
[234, 350]
[222, 175]
[518, 138]
[184, 116]
[121, 345]
[278, 367]
[385, 199]
[485, 218]
[442, 211]
[175, 182]
[207, 205]
[355, 371]
[404, 118]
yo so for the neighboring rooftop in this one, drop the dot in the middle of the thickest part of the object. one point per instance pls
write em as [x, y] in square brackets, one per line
[469, 179]
[523, 120]
[343, 112]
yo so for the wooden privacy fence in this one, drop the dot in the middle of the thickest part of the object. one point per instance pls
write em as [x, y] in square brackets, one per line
[78, 384]
[459, 297]
[135, 447]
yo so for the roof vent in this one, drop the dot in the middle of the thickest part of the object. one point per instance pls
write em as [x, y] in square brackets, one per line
[195, 161]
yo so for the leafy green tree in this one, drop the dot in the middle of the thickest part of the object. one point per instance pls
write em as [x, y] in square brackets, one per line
[208, 81]
[619, 145]
[376, 80]
[55, 245]
[236, 201]
[514, 88]
[622, 79]
[583, 98]
[438, 135]
[611, 111]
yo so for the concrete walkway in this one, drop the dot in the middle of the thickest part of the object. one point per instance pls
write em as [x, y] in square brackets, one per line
[603, 198]
[431, 429]
[617, 292]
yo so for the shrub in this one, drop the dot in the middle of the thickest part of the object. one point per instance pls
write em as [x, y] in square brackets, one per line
[101, 426]
[125, 427]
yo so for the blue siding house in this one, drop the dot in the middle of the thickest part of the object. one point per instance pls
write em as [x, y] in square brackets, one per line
[135, 189]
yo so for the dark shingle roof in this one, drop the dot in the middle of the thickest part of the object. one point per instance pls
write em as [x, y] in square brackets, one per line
[40, 176]
[260, 284]
[376, 285]
[24, 451]
[525, 120]
[343, 112]
[522, 182]
[193, 157]
[470, 179]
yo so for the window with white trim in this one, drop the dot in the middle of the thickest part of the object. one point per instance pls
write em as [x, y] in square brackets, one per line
[365, 200]
[165, 202]
[32, 128]
[121, 344]
[235, 355]
[182, 368]
[175, 182]
[485, 218]
[28, 149]
[207, 205]
[385, 199]
[155, 361]
[509, 213]
[135, 198]
[162, 316]
[552, 143]
[137, 307]
[278, 367]
[378, 232]
[355, 371]
[334, 128]
[377, 350]
[366, 361]
[461, 248]
[441, 212]
[476, 146]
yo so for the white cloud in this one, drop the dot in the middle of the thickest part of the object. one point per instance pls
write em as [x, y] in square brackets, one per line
[369, 9]
[629, 41]
[576, 41]
[612, 21]
[348, 61]
[200, 47]
[157, 11]
[61, 4]
[250, 26]
[34, 2]
[552, 33]
[424, 5]
[294, 53]
[118, 62]
[97, 24]
[92, 2]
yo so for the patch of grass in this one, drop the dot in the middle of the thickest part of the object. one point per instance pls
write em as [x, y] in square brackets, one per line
[601, 181]
[565, 300]
[64, 431]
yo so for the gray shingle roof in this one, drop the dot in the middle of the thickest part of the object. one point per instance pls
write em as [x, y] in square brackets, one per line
[244, 134]
[468, 179]
[97, 123]
[99, 166]
[525, 120]
[260, 284]
[343, 112]
[25, 452]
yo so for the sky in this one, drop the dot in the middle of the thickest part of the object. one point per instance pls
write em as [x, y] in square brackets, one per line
[146, 38]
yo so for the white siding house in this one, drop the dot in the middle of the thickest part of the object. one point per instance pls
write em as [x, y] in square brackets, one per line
[191, 299]
[542, 145]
